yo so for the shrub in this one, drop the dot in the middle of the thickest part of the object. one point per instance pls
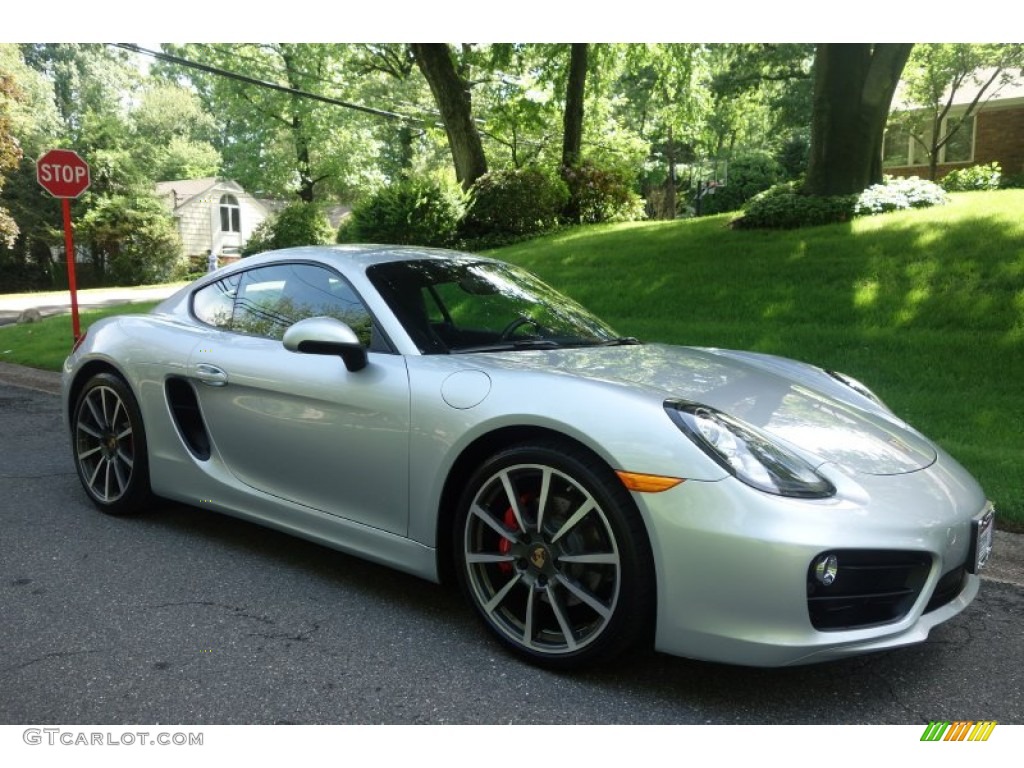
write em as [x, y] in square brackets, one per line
[602, 194]
[1012, 181]
[300, 223]
[748, 175]
[417, 211]
[784, 206]
[969, 179]
[133, 240]
[895, 194]
[517, 201]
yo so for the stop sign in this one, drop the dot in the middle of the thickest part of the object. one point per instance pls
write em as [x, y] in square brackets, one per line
[62, 173]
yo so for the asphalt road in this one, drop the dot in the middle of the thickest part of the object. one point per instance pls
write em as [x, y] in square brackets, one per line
[182, 616]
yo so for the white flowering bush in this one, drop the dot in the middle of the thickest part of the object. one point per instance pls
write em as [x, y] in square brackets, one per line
[897, 194]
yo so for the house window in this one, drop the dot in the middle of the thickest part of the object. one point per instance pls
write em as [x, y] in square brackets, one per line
[230, 214]
[902, 149]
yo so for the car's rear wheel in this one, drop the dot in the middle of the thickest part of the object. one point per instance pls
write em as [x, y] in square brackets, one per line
[109, 444]
[554, 557]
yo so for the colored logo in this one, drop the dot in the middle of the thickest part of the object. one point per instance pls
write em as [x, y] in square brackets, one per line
[960, 730]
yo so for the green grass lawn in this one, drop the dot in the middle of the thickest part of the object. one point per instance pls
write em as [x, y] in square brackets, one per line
[45, 344]
[925, 307]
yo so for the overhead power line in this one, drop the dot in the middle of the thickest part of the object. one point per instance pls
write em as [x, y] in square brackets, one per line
[170, 58]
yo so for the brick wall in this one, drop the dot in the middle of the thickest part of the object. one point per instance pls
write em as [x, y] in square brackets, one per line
[1000, 138]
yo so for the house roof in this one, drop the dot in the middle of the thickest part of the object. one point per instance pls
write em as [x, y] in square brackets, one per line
[180, 191]
[997, 94]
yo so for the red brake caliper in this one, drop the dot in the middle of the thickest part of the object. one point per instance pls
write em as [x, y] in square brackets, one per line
[505, 546]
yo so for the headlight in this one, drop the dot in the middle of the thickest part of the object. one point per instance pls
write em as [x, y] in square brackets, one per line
[858, 387]
[750, 455]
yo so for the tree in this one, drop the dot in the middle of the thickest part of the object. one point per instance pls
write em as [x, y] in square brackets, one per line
[174, 133]
[937, 73]
[853, 89]
[10, 155]
[454, 102]
[276, 142]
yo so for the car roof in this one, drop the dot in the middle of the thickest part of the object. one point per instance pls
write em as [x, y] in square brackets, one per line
[359, 256]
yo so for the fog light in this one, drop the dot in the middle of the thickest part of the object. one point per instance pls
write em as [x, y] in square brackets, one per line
[826, 569]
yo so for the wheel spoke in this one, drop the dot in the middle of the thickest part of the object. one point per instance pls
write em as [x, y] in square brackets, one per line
[103, 406]
[481, 557]
[90, 452]
[122, 481]
[591, 558]
[106, 479]
[495, 601]
[542, 500]
[578, 515]
[89, 430]
[506, 481]
[600, 608]
[97, 419]
[125, 432]
[563, 623]
[497, 527]
[127, 460]
[528, 624]
[95, 473]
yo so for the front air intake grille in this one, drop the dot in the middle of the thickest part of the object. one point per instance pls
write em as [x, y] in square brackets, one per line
[949, 586]
[870, 587]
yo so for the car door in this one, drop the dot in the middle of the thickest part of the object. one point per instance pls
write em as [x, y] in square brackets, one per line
[299, 426]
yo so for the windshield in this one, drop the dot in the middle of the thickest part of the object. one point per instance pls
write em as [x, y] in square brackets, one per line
[468, 305]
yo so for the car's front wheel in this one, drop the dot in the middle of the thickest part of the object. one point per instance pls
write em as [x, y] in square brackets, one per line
[554, 557]
[109, 444]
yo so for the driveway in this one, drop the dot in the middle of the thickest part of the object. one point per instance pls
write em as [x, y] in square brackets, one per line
[59, 302]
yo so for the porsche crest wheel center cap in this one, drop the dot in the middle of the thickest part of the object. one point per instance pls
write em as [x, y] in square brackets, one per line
[539, 557]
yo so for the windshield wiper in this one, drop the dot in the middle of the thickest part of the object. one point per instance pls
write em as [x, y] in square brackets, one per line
[507, 346]
[622, 341]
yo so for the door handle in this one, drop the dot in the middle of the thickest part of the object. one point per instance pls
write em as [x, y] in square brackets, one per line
[211, 374]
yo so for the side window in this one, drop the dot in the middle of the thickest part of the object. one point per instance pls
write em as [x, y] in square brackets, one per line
[215, 304]
[267, 300]
[230, 214]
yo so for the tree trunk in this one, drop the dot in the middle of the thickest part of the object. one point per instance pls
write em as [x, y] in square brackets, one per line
[451, 93]
[853, 88]
[572, 137]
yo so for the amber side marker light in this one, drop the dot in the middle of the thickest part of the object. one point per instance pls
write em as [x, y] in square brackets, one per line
[635, 481]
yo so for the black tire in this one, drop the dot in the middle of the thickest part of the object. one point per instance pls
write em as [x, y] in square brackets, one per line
[554, 557]
[108, 442]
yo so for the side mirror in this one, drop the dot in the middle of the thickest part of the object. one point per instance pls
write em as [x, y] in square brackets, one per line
[326, 336]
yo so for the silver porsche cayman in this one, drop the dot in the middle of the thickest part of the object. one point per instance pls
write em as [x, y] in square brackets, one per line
[453, 416]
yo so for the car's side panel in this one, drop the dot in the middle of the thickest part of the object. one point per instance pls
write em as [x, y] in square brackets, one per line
[301, 427]
[625, 427]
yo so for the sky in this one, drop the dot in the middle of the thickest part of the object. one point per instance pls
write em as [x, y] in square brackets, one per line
[486, 21]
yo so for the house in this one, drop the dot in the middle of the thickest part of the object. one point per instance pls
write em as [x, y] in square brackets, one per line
[994, 134]
[212, 215]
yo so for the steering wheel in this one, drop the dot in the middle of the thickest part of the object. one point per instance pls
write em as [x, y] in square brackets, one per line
[516, 324]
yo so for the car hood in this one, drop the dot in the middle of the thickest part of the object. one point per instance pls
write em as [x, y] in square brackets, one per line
[799, 404]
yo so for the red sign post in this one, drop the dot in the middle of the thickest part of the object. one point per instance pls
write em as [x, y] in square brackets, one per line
[65, 175]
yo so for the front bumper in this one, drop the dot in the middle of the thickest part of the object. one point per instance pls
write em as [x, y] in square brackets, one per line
[733, 563]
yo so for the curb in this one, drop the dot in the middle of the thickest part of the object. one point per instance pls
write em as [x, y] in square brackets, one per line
[1006, 565]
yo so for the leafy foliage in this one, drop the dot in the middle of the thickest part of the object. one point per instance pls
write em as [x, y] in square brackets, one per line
[133, 240]
[516, 202]
[416, 211]
[897, 194]
[785, 206]
[974, 178]
[298, 224]
[603, 193]
[748, 175]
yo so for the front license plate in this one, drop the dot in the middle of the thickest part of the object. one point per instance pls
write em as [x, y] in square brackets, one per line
[981, 539]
